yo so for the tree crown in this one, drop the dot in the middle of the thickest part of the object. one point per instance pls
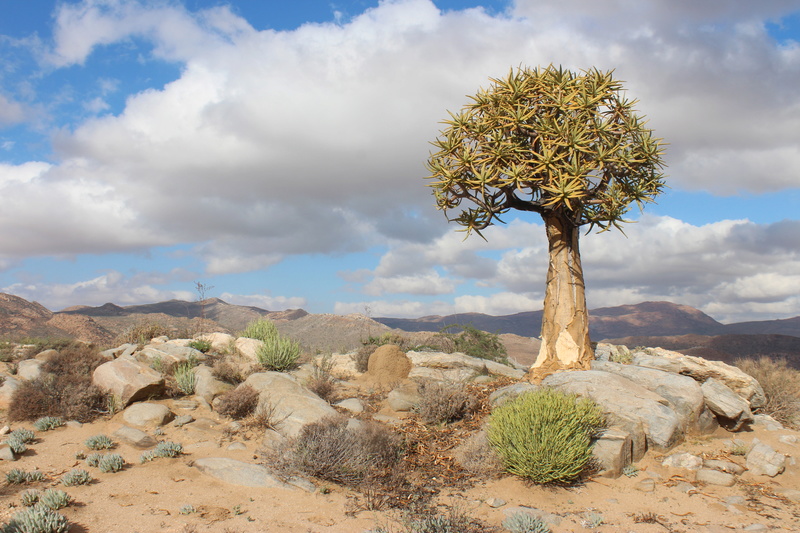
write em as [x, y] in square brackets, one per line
[549, 141]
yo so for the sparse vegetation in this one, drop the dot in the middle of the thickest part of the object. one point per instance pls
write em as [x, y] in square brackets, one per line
[29, 498]
[545, 435]
[163, 449]
[201, 345]
[229, 372]
[630, 470]
[143, 333]
[321, 381]
[17, 476]
[475, 343]
[55, 499]
[113, 462]
[781, 384]
[238, 403]
[442, 402]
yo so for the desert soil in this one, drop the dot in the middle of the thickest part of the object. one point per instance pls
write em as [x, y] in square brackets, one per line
[149, 497]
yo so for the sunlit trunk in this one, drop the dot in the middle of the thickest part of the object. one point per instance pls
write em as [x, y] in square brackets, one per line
[565, 324]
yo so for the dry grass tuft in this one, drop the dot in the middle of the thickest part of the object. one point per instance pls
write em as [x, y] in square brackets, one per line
[238, 403]
[781, 384]
[442, 402]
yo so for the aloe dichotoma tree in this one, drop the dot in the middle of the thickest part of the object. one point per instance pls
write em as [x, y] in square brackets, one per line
[568, 146]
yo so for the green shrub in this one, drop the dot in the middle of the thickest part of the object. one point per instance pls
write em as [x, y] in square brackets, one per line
[46, 423]
[545, 435]
[278, 354]
[185, 377]
[112, 462]
[76, 476]
[93, 459]
[37, 519]
[17, 444]
[475, 343]
[261, 329]
[201, 345]
[55, 499]
[35, 475]
[99, 442]
[442, 402]
[24, 435]
[525, 523]
[16, 476]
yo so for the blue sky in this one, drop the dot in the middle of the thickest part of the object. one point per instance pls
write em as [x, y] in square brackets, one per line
[276, 150]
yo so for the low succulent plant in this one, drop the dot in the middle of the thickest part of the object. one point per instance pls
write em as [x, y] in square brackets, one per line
[163, 449]
[76, 476]
[112, 462]
[525, 523]
[29, 498]
[16, 444]
[37, 519]
[93, 459]
[630, 470]
[55, 499]
[25, 435]
[100, 442]
[46, 423]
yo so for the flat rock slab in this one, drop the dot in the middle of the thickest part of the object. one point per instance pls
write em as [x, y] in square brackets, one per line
[239, 473]
[135, 437]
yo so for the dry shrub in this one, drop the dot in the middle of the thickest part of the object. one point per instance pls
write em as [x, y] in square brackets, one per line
[143, 332]
[781, 384]
[239, 402]
[333, 450]
[65, 389]
[362, 356]
[229, 372]
[321, 381]
[442, 402]
[476, 456]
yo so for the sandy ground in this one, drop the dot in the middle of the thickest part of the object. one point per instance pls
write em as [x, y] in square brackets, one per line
[149, 497]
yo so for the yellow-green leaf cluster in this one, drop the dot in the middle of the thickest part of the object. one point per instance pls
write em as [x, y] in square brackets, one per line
[547, 140]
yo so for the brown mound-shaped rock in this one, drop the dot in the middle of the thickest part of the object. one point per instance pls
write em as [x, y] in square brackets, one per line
[388, 364]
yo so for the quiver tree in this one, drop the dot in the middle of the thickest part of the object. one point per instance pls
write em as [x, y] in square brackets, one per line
[565, 145]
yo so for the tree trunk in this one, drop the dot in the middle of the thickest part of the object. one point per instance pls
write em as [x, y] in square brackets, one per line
[565, 324]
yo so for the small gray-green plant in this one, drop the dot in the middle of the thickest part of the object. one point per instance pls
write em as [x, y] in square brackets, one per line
[76, 476]
[37, 519]
[157, 364]
[29, 498]
[278, 353]
[163, 449]
[630, 470]
[739, 449]
[17, 444]
[592, 520]
[112, 462]
[100, 442]
[55, 499]
[34, 475]
[93, 459]
[622, 355]
[185, 377]
[545, 435]
[16, 476]
[25, 435]
[525, 523]
[188, 509]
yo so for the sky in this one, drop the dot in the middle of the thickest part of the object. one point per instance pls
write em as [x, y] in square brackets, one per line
[275, 152]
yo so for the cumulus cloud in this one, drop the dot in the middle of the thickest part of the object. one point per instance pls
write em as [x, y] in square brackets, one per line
[313, 141]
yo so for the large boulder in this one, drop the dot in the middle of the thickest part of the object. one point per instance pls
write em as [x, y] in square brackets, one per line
[248, 348]
[207, 386]
[220, 342]
[29, 369]
[128, 380]
[613, 451]
[457, 367]
[169, 353]
[732, 411]
[292, 405]
[239, 473]
[701, 369]
[147, 414]
[7, 389]
[682, 392]
[628, 405]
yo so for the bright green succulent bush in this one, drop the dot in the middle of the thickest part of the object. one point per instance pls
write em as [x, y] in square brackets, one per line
[261, 329]
[278, 353]
[545, 435]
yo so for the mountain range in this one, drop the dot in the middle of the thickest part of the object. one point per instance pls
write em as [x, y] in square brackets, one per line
[665, 324]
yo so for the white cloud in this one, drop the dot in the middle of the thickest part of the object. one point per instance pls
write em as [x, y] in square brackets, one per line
[11, 112]
[427, 283]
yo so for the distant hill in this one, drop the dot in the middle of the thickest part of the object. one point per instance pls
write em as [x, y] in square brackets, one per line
[643, 319]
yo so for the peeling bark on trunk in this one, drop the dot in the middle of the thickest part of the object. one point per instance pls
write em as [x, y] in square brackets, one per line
[565, 324]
